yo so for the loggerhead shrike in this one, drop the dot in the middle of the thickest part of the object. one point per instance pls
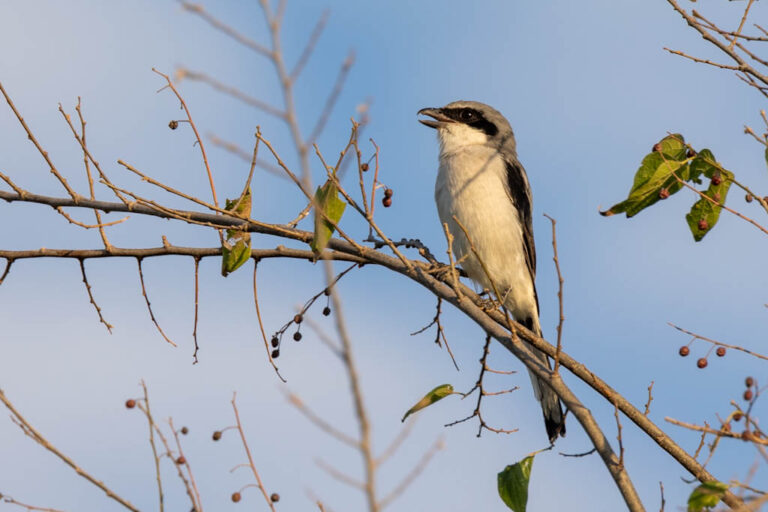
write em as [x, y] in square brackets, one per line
[481, 183]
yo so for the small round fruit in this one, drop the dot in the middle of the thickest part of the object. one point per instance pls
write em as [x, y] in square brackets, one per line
[181, 460]
[298, 319]
[656, 147]
[749, 382]
[387, 202]
[749, 198]
[690, 153]
[748, 395]
[184, 430]
[297, 336]
[737, 416]
[663, 193]
[684, 351]
[326, 311]
[746, 435]
[702, 362]
[173, 124]
[275, 341]
[703, 225]
[716, 180]
[216, 435]
[274, 497]
[130, 403]
[720, 351]
[275, 353]
[364, 167]
[388, 192]
[236, 497]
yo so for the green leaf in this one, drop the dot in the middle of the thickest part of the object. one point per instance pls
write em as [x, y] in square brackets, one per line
[654, 175]
[706, 495]
[236, 248]
[513, 484]
[704, 213]
[433, 396]
[327, 200]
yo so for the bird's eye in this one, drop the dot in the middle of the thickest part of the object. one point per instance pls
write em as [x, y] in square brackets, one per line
[467, 115]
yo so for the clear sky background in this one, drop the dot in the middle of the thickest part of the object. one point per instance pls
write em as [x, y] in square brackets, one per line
[588, 89]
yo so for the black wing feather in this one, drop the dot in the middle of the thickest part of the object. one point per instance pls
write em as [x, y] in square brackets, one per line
[520, 194]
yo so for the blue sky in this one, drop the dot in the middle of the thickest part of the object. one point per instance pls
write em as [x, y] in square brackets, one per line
[588, 89]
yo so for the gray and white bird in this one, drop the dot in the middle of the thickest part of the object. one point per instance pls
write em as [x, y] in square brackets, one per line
[481, 183]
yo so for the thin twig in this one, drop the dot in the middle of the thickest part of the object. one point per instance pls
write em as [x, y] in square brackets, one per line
[149, 306]
[250, 457]
[560, 282]
[151, 422]
[90, 296]
[650, 399]
[30, 431]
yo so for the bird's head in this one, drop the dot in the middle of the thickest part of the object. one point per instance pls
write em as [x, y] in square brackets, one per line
[469, 123]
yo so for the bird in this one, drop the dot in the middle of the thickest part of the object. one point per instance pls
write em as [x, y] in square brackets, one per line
[481, 187]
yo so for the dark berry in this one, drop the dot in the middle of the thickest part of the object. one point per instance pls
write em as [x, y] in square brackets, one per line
[656, 147]
[275, 353]
[236, 497]
[275, 341]
[364, 167]
[720, 351]
[748, 198]
[327, 292]
[326, 311]
[297, 336]
[388, 192]
[181, 460]
[387, 202]
[184, 430]
[173, 124]
[717, 179]
[130, 403]
[663, 193]
[684, 350]
[702, 362]
[749, 382]
[737, 416]
[690, 153]
[217, 435]
[275, 497]
[703, 225]
[297, 319]
[746, 435]
[748, 395]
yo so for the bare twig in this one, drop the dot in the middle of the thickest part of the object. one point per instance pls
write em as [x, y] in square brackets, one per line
[149, 306]
[250, 457]
[90, 295]
[650, 399]
[156, 458]
[30, 431]
[560, 282]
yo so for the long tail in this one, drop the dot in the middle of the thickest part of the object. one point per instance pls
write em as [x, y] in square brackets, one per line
[554, 420]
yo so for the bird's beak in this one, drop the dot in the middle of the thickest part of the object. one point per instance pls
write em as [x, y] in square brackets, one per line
[435, 113]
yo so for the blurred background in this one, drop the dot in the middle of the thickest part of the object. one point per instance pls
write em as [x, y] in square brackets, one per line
[588, 90]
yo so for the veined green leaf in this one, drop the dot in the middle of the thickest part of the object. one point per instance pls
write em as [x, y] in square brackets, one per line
[513, 484]
[433, 396]
[704, 213]
[706, 495]
[327, 200]
[236, 248]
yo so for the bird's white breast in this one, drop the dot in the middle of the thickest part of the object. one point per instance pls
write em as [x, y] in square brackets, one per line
[472, 186]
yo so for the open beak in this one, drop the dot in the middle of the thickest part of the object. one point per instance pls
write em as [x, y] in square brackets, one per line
[435, 113]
